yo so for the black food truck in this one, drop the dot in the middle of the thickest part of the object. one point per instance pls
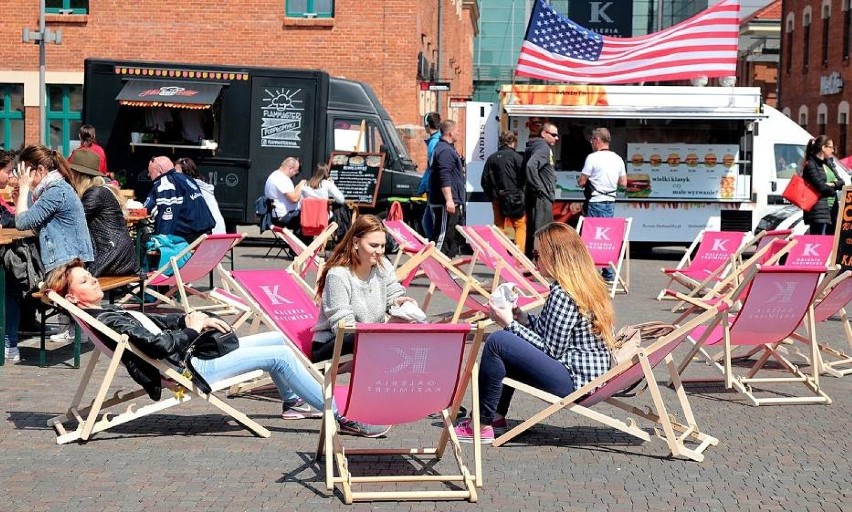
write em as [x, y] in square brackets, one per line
[238, 124]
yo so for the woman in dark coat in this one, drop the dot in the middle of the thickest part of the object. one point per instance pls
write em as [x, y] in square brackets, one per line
[819, 172]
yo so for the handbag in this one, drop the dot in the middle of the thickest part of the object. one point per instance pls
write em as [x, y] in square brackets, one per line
[212, 344]
[511, 203]
[801, 193]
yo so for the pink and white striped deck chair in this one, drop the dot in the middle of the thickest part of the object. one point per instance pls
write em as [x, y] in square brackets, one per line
[307, 256]
[411, 243]
[402, 373]
[715, 253]
[608, 242]
[501, 256]
[609, 386]
[832, 299]
[778, 300]
[206, 254]
[282, 301]
[122, 406]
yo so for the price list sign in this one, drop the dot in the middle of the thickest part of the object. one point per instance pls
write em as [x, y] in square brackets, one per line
[842, 254]
[357, 175]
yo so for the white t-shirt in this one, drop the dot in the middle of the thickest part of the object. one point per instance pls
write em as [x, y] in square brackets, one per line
[326, 190]
[603, 169]
[277, 185]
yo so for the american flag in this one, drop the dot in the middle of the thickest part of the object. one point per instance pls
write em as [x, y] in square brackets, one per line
[557, 49]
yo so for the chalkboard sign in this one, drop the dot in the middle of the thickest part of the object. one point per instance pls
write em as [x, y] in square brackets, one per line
[357, 175]
[842, 252]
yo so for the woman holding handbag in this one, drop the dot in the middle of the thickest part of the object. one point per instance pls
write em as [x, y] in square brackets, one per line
[820, 174]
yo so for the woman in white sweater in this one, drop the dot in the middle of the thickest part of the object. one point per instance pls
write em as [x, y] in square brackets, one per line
[321, 186]
[357, 284]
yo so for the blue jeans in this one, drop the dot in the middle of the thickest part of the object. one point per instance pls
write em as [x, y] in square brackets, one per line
[508, 355]
[603, 209]
[266, 351]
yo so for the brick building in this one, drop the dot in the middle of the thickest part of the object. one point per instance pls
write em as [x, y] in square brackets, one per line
[391, 44]
[816, 47]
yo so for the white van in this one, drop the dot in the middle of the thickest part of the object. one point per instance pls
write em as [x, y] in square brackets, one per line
[696, 157]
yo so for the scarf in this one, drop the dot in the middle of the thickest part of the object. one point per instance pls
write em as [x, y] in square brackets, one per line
[51, 177]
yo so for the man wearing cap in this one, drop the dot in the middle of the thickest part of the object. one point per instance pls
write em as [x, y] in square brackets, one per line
[175, 202]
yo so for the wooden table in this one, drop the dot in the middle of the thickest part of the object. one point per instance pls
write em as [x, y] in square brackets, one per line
[7, 236]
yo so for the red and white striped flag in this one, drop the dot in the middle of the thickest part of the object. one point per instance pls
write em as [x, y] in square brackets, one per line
[557, 49]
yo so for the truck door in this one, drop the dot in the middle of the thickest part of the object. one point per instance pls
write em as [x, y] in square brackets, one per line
[283, 124]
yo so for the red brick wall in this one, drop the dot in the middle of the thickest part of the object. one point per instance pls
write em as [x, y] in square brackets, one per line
[376, 41]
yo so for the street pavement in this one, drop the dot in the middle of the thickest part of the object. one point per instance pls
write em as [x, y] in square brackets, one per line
[793, 457]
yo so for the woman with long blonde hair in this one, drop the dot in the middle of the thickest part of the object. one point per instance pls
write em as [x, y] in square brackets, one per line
[558, 351]
[357, 284]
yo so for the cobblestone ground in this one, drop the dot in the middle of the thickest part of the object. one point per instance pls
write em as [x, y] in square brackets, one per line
[193, 458]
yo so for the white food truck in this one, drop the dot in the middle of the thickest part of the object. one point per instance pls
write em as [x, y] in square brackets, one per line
[696, 157]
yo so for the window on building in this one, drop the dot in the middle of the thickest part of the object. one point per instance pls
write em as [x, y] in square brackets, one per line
[803, 117]
[844, 124]
[67, 6]
[11, 115]
[847, 26]
[825, 39]
[788, 44]
[806, 45]
[64, 104]
[309, 8]
[821, 122]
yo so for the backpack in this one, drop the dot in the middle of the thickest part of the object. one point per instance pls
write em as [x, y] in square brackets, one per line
[629, 339]
[511, 203]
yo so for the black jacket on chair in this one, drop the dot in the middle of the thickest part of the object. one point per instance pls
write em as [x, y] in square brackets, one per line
[814, 174]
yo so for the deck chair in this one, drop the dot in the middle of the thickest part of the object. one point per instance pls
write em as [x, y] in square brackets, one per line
[502, 257]
[307, 256]
[470, 298]
[608, 242]
[180, 387]
[832, 298]
[402, 373]
[809, 251]
[206, 254]
[608, 387]
[410, 243]
[714, 253]
[777, 301]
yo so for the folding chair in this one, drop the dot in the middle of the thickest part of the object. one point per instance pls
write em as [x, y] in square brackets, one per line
[776, 301]
[307, 256]
[181, 387]
[470, 297]
[714, 252]
[206, 254]
[499, 254]
[809, 251]
[402, 373]
[832, 298]
[607, 387]
[608, 242]
[411, 243]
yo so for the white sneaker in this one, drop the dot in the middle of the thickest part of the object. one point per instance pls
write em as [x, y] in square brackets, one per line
[63, 337]
[13, 355]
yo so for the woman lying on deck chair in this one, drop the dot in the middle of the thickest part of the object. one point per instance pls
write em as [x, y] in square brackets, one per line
[300, 393]
[560, 350]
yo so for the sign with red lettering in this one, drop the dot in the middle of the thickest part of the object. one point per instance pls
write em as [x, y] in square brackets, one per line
[842, 252]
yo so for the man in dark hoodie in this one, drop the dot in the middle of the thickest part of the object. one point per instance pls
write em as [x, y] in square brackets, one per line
[541, 181]
[446, 189]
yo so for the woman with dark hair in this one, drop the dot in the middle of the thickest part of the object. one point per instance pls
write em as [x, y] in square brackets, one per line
[357, 284]
[187, 166]
[820, 173]
[89, 142]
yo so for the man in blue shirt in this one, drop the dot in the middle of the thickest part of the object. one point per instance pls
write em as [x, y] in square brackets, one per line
[446, 190]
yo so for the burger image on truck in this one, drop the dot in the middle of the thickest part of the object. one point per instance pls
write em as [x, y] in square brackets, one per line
[638, 185]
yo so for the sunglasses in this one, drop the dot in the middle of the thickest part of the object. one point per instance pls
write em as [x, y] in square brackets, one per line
[554, 135]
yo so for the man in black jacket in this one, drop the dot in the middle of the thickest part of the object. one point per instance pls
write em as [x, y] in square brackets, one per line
[503, 181]
[541, 181]
[446, 190]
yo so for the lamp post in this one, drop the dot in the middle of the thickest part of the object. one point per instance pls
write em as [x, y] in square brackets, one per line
[41, 38]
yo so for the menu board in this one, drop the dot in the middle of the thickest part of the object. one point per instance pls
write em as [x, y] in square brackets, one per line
[357, 175]
[685, 171]
[842, 252]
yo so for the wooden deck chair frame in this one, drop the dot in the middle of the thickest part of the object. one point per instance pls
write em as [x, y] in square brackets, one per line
[840, 363]
[744, 384]
[181, 387]
[524, 263]
[674, 433]
[621, 283]
[307, 256]
[336, 457]
[402, 233]
[696, 286]
[179, 286]
[503, 270]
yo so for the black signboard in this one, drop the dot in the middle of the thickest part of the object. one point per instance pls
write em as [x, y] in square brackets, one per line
[357, 175]
[842, 254]
[608, 17]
